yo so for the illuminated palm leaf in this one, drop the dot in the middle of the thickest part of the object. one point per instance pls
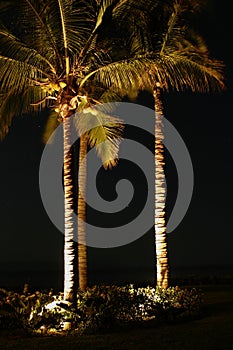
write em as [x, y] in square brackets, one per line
[104, 133]
[52, 123]
[14, 103]
[102, 8]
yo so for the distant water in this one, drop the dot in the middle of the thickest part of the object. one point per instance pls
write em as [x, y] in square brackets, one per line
[34, 278]
[47, 278]
[202, 271]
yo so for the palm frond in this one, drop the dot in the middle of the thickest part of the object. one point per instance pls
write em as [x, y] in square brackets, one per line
[33, 20]
[139, 42]
[102, 8]
[171, 24]
[181, 70]
[19, 74]
[13, 48]
[125, 8]
[187, 63]
[52, 123]
[112, 95]
[104, 133]
[200, 74]
[97, 57]
[13, 104]
[122, 75]
[90, 45]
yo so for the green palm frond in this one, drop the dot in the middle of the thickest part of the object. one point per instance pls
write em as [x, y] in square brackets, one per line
[185, 63]
[91, 42]
[13, 104]
[104, 133]
[13, 48]
[180, 59]
[78, 20]
[181, 70]
[112, 95]
[171, 24]
[125, 8]
[135, 19]
[19, 63]
[92, 45]
[52, 123]
[98, 57]
[47, 43]
[200, 74]
[122, 75]
[102, 8]
[32, 25]
[138, 41]
[49, 21]
[5, 117]
[18, 74]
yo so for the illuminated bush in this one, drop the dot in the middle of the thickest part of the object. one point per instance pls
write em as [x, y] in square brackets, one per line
[98, 308]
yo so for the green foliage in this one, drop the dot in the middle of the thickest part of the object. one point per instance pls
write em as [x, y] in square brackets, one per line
[99, 308]
[56, 50]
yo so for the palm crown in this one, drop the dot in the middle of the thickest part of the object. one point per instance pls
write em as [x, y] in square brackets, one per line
[179, 57]
[54, 51]
[57, 54]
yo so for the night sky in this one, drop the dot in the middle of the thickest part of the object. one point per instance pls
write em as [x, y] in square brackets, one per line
[31, 248]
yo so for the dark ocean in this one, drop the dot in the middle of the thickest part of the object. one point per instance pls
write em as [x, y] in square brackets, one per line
[41, 278]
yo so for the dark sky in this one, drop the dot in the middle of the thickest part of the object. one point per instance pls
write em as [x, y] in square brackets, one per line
[30, 242]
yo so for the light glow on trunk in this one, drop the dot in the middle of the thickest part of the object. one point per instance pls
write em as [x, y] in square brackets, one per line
[160, 195]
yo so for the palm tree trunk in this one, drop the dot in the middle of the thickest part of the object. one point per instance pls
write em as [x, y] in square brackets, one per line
[69, 244]
[82, 249]
[160, 194]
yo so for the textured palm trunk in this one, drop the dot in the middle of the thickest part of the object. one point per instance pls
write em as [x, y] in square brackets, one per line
[82, 249]
[69, 244]
[160, 195]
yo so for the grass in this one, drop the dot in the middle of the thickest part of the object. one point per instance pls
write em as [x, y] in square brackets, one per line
[212, 331]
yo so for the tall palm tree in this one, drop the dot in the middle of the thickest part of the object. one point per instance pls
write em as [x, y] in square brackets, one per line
[180, 61]
[59, 54]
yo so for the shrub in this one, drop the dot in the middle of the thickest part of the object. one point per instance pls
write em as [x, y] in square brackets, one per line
[98, 308]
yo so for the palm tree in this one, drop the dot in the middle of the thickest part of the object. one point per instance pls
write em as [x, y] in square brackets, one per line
[60, 55]
[180, 61]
